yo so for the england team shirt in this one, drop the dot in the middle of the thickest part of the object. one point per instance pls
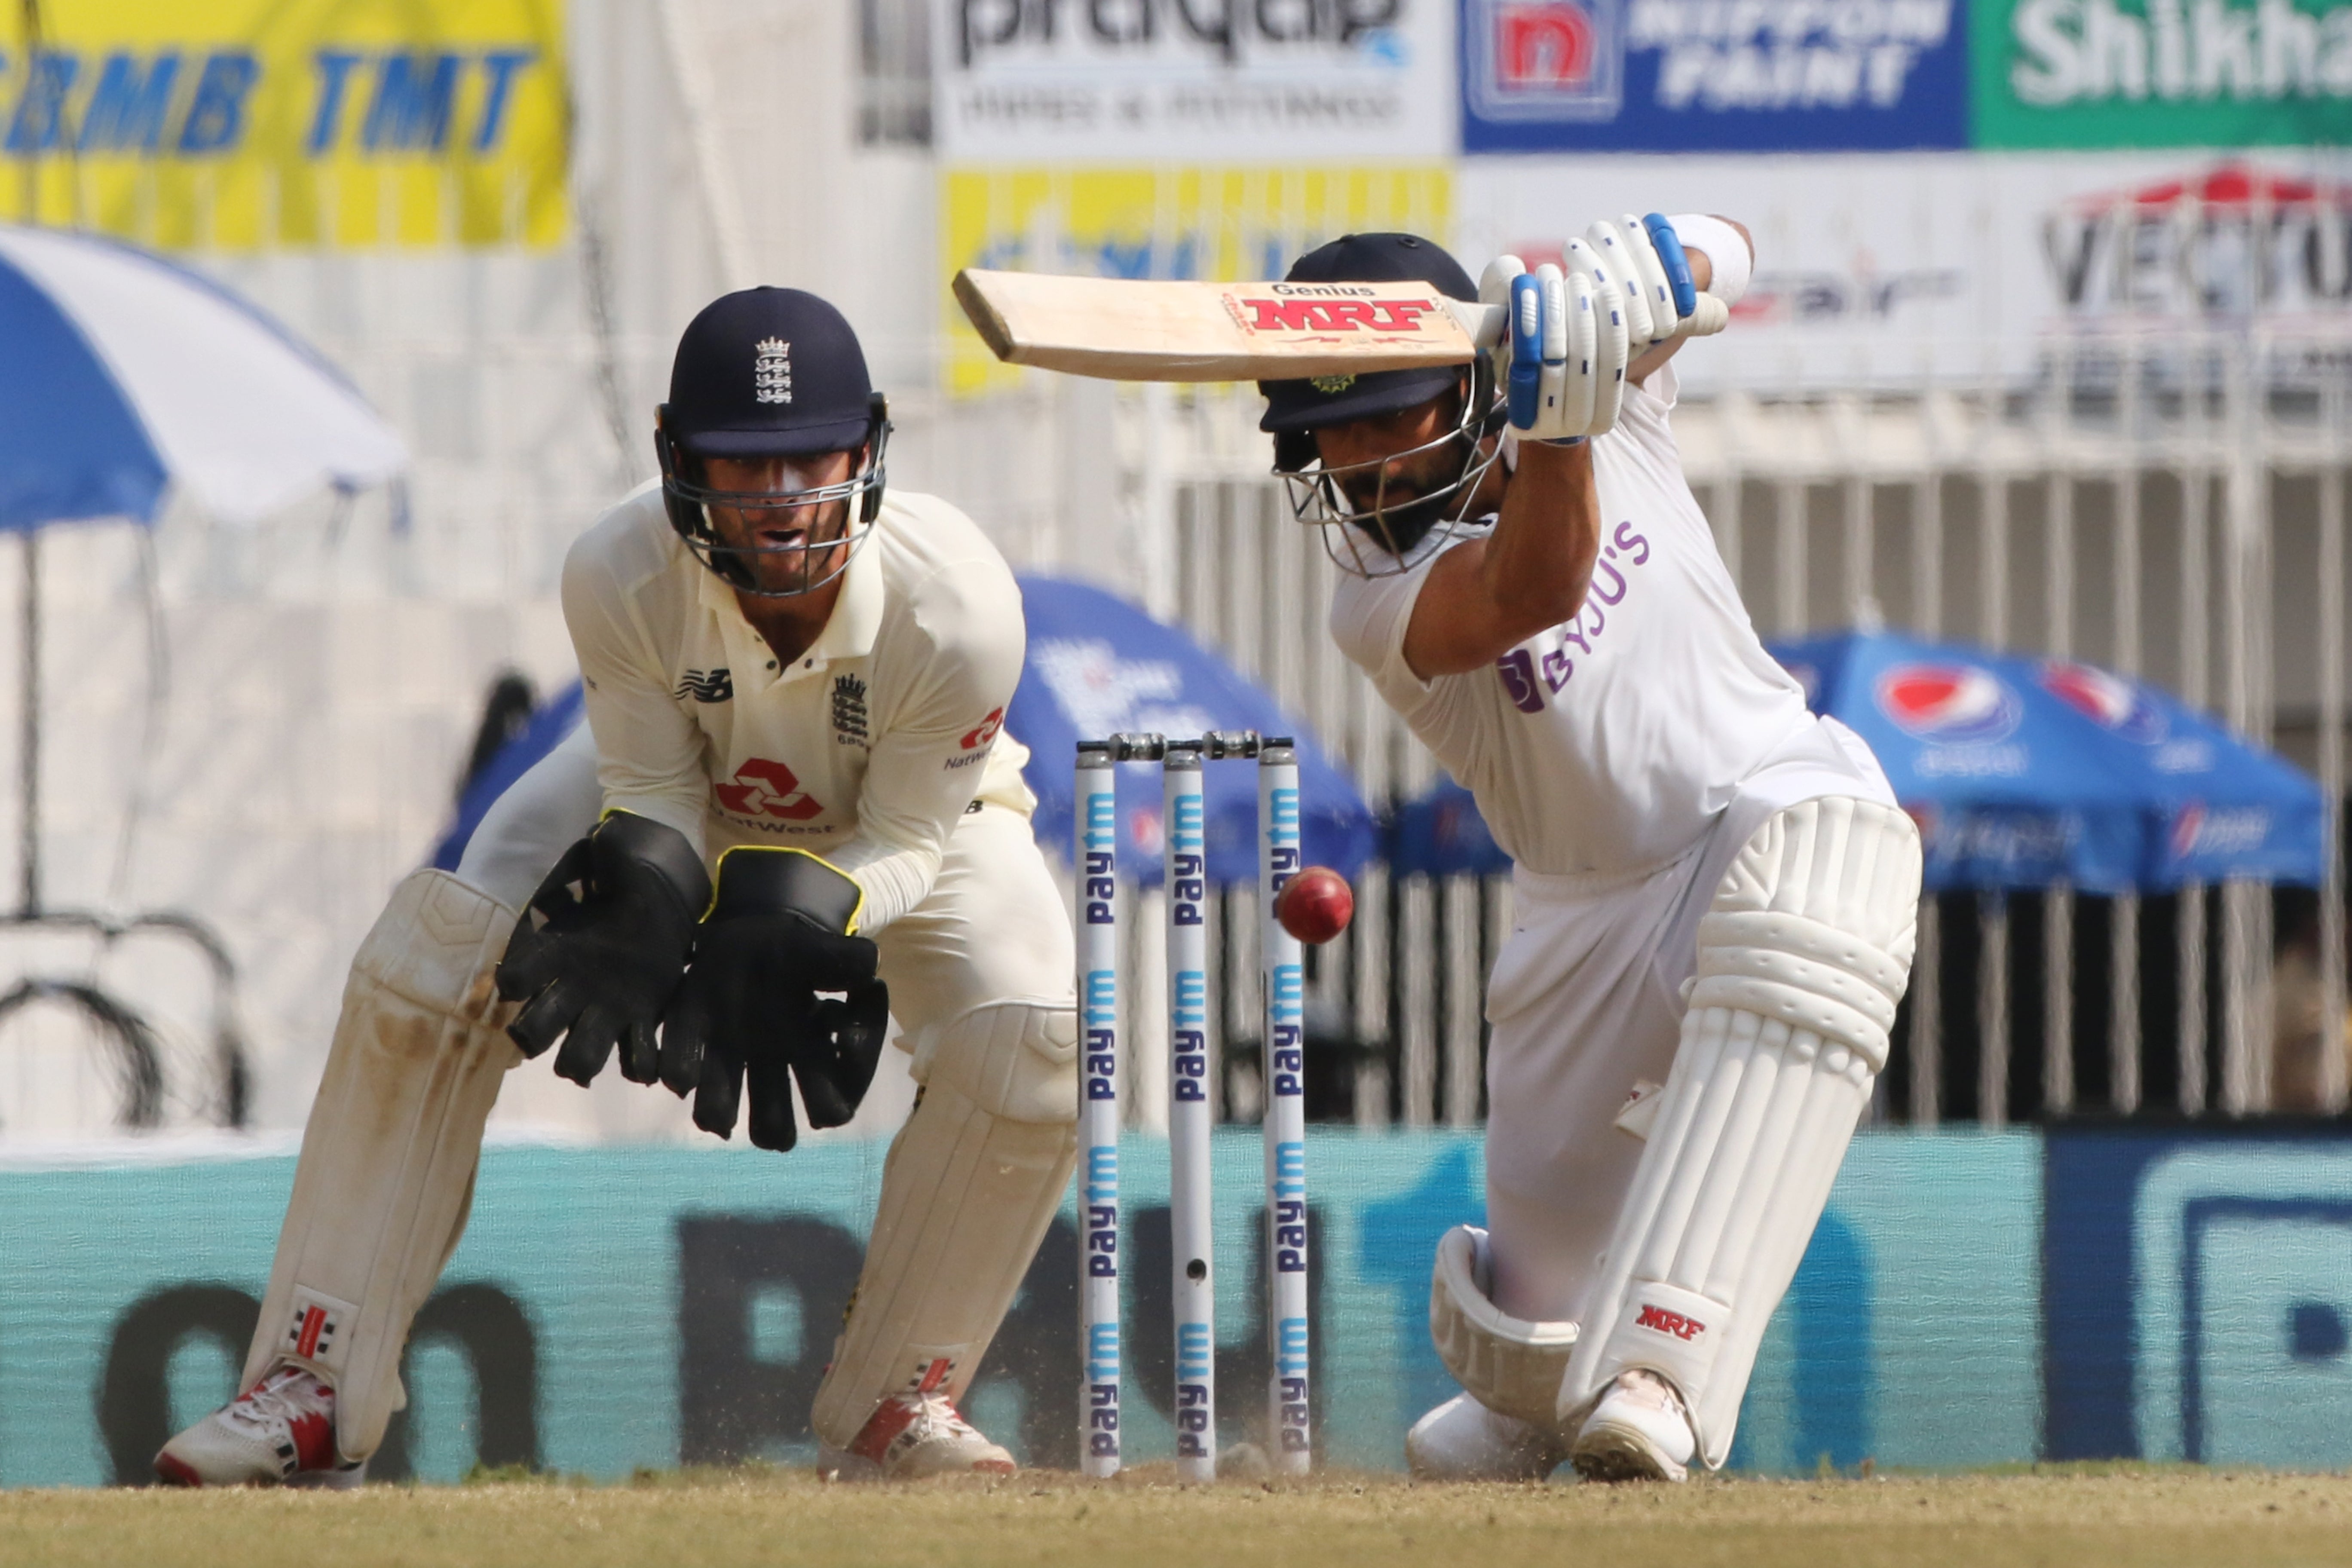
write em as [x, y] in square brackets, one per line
[1610, 742]
[865, 750]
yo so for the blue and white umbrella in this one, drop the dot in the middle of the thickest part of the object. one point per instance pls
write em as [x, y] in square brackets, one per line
[125, 378]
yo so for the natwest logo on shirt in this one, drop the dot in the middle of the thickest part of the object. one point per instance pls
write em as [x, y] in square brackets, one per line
[764, 788]
[986, 731]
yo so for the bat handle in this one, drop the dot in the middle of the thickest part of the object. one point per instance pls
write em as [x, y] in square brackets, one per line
[1710, 318]
[1484, 324]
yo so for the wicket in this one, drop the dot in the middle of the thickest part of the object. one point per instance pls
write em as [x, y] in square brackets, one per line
[1283, 977]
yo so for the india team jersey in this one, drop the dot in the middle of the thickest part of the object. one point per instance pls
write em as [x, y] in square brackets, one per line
[1611, 742]
[866, 749]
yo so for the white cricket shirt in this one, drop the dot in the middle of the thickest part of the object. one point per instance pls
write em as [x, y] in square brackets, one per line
[1611, 742]
[865, 750]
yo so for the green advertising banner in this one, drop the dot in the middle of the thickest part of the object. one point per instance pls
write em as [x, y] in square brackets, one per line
[2160, 73]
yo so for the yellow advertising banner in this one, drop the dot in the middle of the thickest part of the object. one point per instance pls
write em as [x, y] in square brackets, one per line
[1211, 222]
[250, 124]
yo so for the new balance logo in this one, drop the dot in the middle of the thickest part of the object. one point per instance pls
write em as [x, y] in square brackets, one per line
[707, 685]
[1665, 1322]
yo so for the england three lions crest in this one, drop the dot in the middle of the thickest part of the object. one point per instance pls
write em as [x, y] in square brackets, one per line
[772, 371]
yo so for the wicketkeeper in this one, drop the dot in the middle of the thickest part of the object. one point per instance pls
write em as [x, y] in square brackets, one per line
[1714, 889]
[791, 792]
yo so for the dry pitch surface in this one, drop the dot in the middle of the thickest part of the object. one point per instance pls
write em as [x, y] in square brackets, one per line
[2063, 1519]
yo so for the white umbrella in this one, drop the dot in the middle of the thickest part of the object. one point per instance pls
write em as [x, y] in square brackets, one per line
[123, 375]
[126, 380]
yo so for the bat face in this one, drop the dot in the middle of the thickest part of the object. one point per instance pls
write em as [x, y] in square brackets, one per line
[1157, 329]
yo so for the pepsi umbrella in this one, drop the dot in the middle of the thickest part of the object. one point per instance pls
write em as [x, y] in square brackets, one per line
[2024, 771]
[1097, 666]
[1442, 834]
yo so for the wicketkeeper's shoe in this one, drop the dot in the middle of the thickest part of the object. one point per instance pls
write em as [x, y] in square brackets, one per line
[1638, 1432]
[913, 1437]
[1462, 1440]
[280, 1430]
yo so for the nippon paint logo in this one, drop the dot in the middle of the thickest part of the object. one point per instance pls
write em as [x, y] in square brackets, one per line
[2118, 706]
[1951, 704]
[1545, 59]
[2234, 830]
[1565, 59]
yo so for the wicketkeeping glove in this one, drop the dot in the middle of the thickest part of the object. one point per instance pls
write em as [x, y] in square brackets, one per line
[597, 954]
[781, 929]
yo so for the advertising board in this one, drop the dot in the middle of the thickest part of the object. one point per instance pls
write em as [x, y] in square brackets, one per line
[1712, 76]
[1276, 81]
[618, 1307]
[248, 123]
[1903, 270]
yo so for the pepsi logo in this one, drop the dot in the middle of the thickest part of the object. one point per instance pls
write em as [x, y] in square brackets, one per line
[2110, 701]
[1956, 704]
[2232, 830]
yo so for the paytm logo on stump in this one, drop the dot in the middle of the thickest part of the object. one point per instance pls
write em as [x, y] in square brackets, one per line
[1692, 74]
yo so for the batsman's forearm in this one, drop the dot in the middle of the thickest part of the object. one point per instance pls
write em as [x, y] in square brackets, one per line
[1539, 560]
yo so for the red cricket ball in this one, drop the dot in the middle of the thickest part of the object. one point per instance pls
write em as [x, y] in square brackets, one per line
[1315, 905]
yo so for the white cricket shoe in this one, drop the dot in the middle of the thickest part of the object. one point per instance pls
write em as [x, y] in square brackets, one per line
[1462, 1440]
[280, 1430]
[914, 1437]
[1639, 1432]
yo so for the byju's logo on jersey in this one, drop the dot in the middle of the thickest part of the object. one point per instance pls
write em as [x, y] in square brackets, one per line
[772, 371]
[764, 788]
[1545, 59]
[2109, 701]
[1951, 704]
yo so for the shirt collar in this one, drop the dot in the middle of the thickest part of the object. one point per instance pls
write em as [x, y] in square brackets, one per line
[849, 632]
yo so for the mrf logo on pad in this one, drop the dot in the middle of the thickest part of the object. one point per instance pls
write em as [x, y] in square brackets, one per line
[1660, 1321]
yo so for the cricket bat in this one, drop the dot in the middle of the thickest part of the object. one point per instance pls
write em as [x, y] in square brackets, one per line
[1159, 330]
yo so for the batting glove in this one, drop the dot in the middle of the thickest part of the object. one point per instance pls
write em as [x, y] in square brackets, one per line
[1644, 256]
[1565, 345]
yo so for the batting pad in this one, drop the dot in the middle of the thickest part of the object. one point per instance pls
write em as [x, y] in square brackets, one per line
[972, 1182]
[387, 1169]
[1509, 1364]
[1802, 957]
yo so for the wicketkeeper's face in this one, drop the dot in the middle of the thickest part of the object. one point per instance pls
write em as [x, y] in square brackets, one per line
[787, 542]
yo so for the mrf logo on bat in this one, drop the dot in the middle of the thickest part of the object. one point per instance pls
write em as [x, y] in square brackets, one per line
[1322, 308]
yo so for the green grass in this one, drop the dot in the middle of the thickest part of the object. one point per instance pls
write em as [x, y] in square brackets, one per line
[2053, 1516]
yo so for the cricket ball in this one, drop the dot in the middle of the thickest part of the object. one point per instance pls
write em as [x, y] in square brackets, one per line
[1315, 905]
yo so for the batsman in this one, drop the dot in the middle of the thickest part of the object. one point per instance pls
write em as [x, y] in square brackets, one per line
[790, 816]
[1714, 892]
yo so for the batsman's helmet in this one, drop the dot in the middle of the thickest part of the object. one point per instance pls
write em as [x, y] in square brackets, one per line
[769, 373]
[1405, 529]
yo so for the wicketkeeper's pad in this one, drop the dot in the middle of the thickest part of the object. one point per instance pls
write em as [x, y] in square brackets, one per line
[386, 1174]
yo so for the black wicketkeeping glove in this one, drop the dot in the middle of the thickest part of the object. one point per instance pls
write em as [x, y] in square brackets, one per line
[598, 953]
[780, 931]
